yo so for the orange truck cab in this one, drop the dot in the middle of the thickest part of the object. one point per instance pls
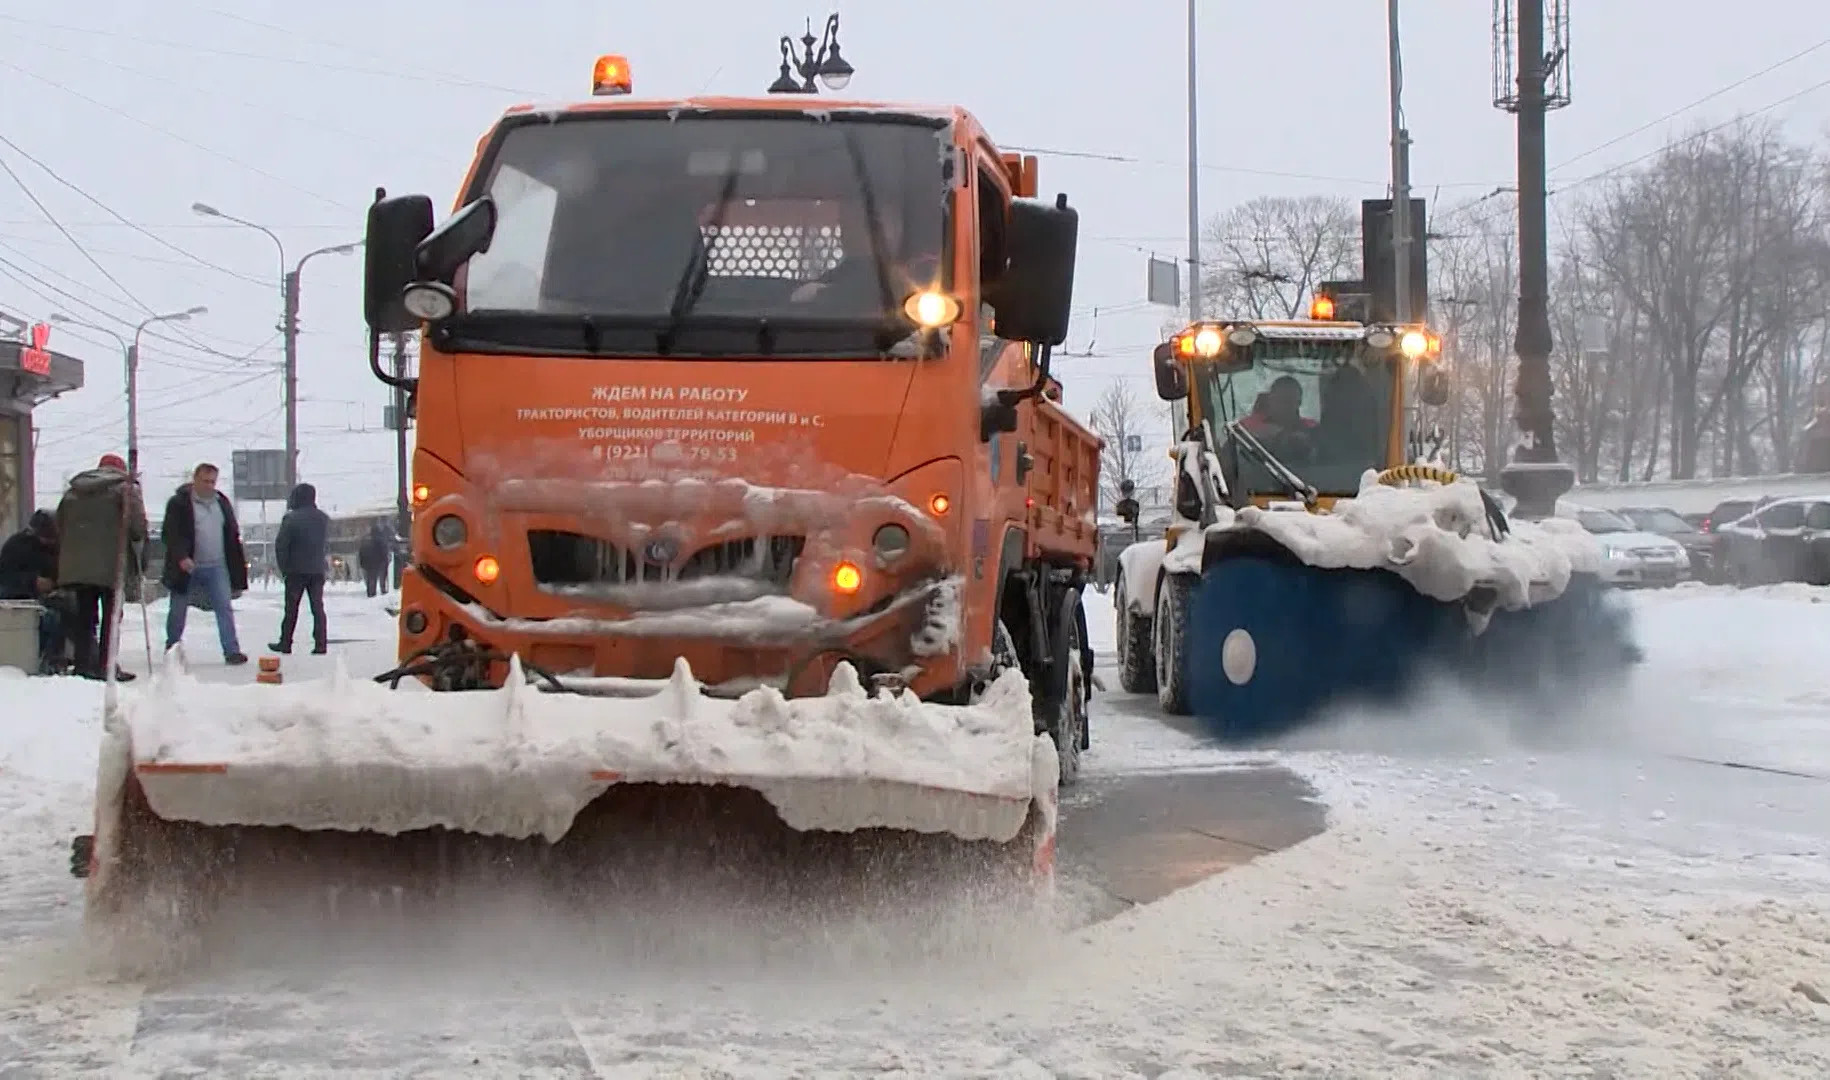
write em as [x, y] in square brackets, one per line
[757, 383]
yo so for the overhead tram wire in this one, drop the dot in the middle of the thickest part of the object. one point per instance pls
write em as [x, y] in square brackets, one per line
[1619, 167]
[1711, 96]
[81, 248]
[174, 136]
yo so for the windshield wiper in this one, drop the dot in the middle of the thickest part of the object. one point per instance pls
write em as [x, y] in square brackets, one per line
[698, 269]
[1280, 472]
[868, 193]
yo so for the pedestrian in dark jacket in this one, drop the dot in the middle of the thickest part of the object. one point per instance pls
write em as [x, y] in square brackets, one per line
[101, 523]
[28, 571]
[374, 558]
[300, 549]
[203, 551]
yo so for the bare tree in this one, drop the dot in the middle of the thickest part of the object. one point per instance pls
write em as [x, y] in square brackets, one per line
[1710, 244]
[1122, 420]
[1263, 258]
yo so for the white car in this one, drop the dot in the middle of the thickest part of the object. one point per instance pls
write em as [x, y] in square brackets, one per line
[1630, 556]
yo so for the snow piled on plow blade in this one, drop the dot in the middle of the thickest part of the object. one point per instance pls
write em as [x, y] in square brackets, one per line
[344, 754]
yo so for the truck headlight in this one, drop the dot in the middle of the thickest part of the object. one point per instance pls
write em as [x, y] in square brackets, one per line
[449, 532]
[891, 542]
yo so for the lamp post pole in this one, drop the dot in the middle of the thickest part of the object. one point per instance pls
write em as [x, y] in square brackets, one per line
[289, 323]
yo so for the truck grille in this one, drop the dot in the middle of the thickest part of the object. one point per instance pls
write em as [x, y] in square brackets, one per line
[566, 558]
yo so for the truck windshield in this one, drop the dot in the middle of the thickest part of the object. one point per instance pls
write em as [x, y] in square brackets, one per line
[716, 223]
[1322, 407]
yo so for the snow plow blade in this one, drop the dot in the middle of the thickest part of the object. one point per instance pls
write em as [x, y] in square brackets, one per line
[1399, 588]
[338, 793]
[1295, 640]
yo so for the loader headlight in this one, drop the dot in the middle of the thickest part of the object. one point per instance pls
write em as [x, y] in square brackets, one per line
[891, 542]
[488, 569]
[450, 532]
[847, 579]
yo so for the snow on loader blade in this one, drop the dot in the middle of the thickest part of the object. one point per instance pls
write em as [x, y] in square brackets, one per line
[341, 795]
[1297, 612]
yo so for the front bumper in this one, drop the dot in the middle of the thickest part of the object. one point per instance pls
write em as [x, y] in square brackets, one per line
[731, 648]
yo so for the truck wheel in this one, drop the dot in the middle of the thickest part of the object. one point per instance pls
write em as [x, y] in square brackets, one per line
[1174, 601]
[1062, 709]
[1136, 649]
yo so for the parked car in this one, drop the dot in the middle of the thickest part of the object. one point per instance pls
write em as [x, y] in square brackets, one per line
[1630, 557]
[1672, 525]
[1785, 540]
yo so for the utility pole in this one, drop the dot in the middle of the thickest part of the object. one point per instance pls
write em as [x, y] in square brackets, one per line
[1401, 172]
[1194, 179]
[403, 524]
[1539, 68]
[289, 325]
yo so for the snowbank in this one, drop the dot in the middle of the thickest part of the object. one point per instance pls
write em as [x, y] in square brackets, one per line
[1436, 538]
[350, 754]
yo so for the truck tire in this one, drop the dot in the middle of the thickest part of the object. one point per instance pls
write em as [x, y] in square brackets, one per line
[1061, 710]
[1174, 602]
[1136, 649]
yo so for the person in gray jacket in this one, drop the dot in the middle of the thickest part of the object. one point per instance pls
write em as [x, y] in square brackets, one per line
[101, 521]
[300, 550]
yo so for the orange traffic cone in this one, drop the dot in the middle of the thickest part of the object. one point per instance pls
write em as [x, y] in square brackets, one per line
[269, 671]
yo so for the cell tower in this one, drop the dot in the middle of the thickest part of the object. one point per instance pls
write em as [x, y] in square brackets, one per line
[1555, 51]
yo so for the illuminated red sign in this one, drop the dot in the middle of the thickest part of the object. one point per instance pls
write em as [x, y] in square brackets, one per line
[35, 358]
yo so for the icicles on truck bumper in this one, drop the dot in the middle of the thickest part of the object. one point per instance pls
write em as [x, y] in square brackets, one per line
[343, 754]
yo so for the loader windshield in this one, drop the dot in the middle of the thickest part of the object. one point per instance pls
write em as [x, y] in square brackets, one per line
[1322, 407]
[709, 234]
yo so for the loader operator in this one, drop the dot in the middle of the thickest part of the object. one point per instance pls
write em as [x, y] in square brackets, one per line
[1278, 421]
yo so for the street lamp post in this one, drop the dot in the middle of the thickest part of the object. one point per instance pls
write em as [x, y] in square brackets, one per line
[289, 324]
[131, 355]
[825, 65]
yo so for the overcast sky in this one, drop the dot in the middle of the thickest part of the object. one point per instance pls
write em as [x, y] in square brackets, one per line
[291, 114]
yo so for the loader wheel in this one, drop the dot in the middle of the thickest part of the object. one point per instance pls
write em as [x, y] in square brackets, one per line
[1136, 649]
[1174, 601]
[1062, 708]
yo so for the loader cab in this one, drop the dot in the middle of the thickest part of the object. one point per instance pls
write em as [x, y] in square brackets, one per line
[1326, 398]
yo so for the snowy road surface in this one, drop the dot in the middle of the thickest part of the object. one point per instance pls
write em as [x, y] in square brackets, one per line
[1488, 899]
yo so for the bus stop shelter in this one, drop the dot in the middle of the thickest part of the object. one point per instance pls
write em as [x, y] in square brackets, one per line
[30, 375]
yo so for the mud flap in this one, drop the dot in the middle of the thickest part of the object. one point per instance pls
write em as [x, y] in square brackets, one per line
[1273, 643]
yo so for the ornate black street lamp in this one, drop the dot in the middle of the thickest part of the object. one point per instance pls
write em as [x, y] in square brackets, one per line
[826, 64]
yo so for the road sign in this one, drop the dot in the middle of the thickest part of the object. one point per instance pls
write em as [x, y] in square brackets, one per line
[259, 475]
[35, 358]
[1164, 283]
[1134, 444]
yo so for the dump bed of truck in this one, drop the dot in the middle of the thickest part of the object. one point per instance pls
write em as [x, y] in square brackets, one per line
[1063, 485]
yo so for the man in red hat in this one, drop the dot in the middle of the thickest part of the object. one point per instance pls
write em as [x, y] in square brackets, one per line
[99, 521]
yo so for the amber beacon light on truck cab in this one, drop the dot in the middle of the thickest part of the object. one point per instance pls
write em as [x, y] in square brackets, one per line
[760, 384]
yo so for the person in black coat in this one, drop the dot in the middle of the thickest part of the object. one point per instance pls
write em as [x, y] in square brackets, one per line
[28, 571]
[300, 549]
[373, 556]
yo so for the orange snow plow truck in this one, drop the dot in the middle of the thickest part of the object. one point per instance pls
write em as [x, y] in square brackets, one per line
[745, 520]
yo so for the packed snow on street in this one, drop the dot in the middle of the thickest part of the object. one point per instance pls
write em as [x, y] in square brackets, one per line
[1640, 888]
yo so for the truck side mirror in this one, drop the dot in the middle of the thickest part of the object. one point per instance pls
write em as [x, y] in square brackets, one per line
[1171, 377]
[1035, 295]
[1127, 509]
[1433, 387]
[395, 228]
[465, 233]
